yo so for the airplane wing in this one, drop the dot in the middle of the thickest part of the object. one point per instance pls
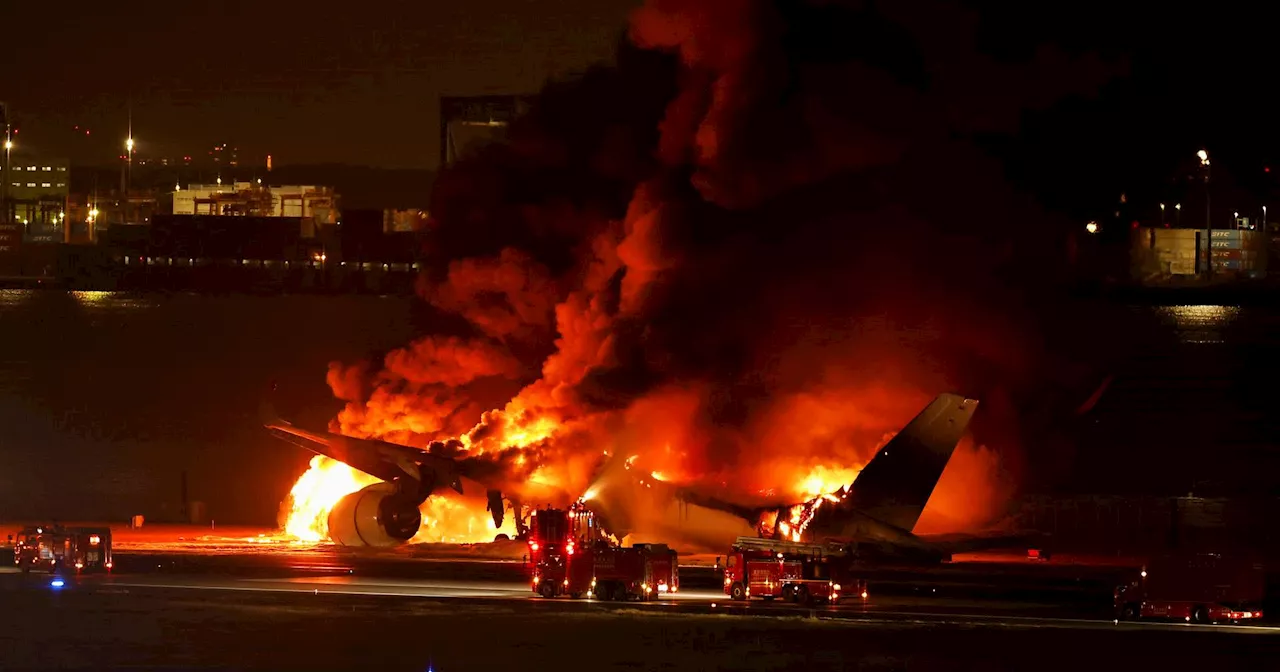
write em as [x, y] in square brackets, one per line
[380, 459]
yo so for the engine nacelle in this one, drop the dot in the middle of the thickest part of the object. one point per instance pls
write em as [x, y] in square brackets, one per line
[378, 515]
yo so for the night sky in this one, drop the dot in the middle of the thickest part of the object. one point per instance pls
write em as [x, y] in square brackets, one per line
[309, 82]
[337, 82]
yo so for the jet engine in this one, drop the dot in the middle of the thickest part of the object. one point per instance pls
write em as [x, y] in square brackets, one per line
[379, 515]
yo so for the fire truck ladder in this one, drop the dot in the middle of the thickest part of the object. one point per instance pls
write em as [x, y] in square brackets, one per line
[786, 547]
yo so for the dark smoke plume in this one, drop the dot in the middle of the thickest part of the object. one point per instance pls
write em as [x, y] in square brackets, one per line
[766, 236]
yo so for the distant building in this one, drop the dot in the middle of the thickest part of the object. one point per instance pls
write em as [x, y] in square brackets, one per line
[38, 189]
[247, 199]
[1159, 255]
[225, 155]
[468, 123]
[403, 221]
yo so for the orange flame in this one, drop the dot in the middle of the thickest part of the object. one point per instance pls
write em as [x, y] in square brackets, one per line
[825, 480]
[445, 518]
[316, 493]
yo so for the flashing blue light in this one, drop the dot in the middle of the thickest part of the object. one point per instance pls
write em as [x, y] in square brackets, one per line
[57, 583]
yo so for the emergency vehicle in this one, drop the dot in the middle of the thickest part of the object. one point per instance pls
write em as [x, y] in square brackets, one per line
[801, 573]
[570, 556]
[51, 548]
[1194, 587]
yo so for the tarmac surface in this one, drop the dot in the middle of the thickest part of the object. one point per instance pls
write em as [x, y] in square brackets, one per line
[219, 603]
[335, 622]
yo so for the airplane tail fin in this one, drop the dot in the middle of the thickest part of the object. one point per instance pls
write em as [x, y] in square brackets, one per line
[895, 486]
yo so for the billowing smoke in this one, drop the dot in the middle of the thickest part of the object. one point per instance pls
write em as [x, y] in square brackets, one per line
[746, 253]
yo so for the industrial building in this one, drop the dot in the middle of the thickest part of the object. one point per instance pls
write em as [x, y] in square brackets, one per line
[468, 123]
[1160, 254]
[252, 199]
[36, 195]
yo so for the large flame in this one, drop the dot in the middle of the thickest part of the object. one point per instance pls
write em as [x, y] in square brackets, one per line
[823, 480]
[445, 518]
[316, 493]
[625, 287]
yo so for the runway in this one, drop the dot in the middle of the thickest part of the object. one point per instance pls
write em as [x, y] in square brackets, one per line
[364, 623]
[874, 609]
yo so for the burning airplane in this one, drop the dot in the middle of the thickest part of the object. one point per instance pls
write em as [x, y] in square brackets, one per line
[361, 492]
[381, 507]
[878, 509]
[745, 253]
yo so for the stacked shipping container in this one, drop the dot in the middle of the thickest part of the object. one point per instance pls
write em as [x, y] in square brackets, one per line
[1161, 254]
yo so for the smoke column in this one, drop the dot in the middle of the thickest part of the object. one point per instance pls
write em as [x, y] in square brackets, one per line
[746, 252]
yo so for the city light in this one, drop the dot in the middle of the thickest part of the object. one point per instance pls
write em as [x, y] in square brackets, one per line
[1091, 227]
[1204, 157]
[128, 144]
[8, 144]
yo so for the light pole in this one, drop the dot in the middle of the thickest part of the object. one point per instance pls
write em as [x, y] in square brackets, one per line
[1264, 218]
[1177, 215]
[1208, 217]
[1162, 214]
[128, 172]
[8, 152]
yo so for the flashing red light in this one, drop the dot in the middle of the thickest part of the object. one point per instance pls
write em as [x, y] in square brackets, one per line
[533, 545]
[1133, 224]
[1266, 169]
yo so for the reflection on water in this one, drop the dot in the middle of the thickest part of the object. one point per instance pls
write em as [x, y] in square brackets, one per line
[14, 297]
[113, 300]
[1200, 324]
[106, 398]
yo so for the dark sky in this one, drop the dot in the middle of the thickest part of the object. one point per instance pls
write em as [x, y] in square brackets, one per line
[309, 82]
[330, 81]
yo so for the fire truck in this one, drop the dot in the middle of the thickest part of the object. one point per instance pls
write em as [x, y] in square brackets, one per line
[1194, 587]
[52, 547]
[570, 556]
[800, 573]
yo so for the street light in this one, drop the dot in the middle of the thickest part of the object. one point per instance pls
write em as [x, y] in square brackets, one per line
[8, 151]
[1208, 218]
[1091, 227]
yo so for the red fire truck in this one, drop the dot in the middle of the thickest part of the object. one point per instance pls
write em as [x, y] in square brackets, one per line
[571, 557]
[51, 547]
[1194, 587]
[801, 573]
[642, 572]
